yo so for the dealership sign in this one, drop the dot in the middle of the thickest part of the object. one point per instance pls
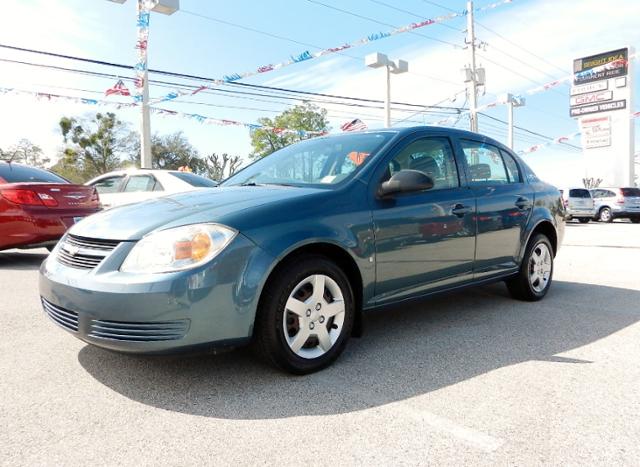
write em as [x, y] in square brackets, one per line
[601, 67]
[590, 87]
[595, 108]
[596, 132]
[591, 98]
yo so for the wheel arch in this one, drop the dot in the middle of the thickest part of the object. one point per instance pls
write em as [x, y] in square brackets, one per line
[333, 252]
[546, 228]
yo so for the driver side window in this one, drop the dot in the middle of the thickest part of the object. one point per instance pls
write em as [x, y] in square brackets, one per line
[432, 156]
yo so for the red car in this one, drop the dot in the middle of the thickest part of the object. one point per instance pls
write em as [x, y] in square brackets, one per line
[38, 206]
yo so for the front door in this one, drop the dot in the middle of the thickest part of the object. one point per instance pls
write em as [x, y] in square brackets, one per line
[427, 239]
[504, 204]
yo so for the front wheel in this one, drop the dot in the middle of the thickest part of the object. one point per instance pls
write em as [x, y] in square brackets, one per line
[536, 271]
[306, 315]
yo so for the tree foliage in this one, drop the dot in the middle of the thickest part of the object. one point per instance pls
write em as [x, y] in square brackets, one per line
[95, 146]
[307, 117]
[170, 152]
[25, 152]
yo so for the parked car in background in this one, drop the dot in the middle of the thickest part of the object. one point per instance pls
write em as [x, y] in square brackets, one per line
[578, 204]
[135, 185]
[292, 249]
[617, 203]
[37, 206]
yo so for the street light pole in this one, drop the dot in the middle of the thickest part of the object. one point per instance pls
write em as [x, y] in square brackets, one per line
[387, 99]
[511, 101]
[378, 60]
[473, 86]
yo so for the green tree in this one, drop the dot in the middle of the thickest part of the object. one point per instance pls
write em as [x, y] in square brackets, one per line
[307, 117]
[97, 145]
[170, 152]
[26, 152]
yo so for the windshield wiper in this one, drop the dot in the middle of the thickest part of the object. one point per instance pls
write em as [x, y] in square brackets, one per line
[265, 184]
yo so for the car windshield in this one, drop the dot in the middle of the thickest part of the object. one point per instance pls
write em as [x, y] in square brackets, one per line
[579, 193]
[14, 173]
[194, 180]
[630, 191]
[320, 161]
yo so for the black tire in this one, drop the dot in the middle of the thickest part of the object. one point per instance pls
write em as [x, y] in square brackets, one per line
[605, 215]
[635, 220]
[269, 335]
[584, 220]
[520, 286]
[50, 248]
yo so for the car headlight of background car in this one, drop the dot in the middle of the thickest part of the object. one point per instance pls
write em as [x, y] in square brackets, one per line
[178, 248]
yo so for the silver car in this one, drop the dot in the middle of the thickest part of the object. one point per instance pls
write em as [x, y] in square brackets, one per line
[578, 204]
[617, 203]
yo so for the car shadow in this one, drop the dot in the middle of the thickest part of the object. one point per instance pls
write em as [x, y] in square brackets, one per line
[16, 260]
[406, 351]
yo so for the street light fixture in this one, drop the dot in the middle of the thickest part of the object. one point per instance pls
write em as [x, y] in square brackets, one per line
[511, 101]
[166, 7]
[378, 60]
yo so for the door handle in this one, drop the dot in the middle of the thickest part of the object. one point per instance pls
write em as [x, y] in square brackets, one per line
[460, 210]
[523, 203]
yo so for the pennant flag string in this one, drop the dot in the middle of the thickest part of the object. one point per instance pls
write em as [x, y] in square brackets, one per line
[306, 55]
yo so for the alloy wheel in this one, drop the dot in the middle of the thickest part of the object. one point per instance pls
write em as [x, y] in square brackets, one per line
[314, 316]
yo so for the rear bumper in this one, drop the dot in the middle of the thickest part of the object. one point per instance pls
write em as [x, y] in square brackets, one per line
[28, 229]
[574, 213]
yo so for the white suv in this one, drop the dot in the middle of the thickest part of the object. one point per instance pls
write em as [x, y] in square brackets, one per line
[132, 186]
[617, 203]
[578, 204]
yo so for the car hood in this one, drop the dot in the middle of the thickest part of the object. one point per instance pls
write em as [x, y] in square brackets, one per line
[133, 221]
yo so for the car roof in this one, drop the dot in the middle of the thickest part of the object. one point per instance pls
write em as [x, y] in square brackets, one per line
[406, 131]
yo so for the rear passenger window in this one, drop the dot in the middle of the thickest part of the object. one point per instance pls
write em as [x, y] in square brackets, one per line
[485, 164]
[512, 167]
[432, 156]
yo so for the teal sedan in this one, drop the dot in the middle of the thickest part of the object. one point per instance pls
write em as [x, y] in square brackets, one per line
[292, 251]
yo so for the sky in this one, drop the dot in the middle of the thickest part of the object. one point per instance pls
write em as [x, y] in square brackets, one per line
[525, 43]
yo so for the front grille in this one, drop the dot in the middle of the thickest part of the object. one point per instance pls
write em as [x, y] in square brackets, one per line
[84, 253]
[61, 316]
[139, 332]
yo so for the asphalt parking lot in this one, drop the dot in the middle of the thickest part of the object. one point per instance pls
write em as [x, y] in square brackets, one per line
[469, 378]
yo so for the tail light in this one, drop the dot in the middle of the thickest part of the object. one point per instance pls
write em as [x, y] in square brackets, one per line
[28, 197]
[95, 198]
[620, 198]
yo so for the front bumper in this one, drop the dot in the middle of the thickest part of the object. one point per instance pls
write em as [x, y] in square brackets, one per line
[212, 305]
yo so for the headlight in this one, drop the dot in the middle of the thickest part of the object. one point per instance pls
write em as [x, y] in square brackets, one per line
[178, 248]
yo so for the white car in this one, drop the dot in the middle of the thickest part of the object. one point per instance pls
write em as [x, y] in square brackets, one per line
[135, 185]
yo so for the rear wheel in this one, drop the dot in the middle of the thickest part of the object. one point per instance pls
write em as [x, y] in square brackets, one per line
[536, 271]
[584, 220]
[605, 215]
[306, 316]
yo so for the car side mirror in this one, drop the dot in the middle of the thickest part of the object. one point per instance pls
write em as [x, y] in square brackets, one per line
[405, 181]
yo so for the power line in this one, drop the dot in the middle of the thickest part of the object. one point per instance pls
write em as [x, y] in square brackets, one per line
[294, 41]
[367, 18]
[415, 15]
[208, 79]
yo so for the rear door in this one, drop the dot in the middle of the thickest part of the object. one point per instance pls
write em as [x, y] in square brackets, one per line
[504, 204]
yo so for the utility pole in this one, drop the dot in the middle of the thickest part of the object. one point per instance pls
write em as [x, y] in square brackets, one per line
[166, 7]
[387, 99]
[473, 84]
